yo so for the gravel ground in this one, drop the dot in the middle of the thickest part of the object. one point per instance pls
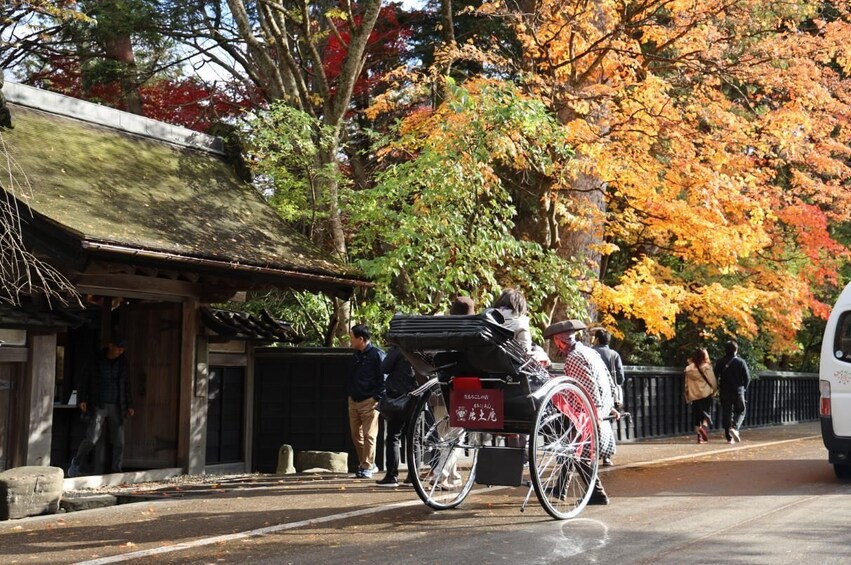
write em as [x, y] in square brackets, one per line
[172, 483]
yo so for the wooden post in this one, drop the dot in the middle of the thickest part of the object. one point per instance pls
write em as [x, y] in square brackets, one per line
[192, 432]
[37, 389]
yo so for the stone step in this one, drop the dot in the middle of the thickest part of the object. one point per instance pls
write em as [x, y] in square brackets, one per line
[30, 491]
[88, 502]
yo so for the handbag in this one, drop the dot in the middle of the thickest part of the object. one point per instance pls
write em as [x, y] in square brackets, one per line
[392, 407]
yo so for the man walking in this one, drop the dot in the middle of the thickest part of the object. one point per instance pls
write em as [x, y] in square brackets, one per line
[600, 339]
[365, 388]
[104, 395]
[734, 376]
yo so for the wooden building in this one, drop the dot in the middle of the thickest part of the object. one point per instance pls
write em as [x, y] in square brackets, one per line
[151, 224]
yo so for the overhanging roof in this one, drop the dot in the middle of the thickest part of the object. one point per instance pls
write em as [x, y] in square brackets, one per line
[125, 194]
[242, 325]
[31, 317]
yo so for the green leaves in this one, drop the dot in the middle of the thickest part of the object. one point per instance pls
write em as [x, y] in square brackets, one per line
[284, 146]
[443, 222]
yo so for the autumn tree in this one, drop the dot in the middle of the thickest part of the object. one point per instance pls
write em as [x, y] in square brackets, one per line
[712, 136]
[114, 46]
[114, 53]
[311, 56]
[441, 217]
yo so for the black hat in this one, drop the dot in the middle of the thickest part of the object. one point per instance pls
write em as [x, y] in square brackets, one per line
[567, 326]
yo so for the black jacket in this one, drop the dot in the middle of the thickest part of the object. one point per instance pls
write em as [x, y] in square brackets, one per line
[613, 362]
[400, 374]
[90, 388]
[732, 373]
[367, 378]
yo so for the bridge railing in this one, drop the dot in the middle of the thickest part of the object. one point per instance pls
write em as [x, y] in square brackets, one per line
[654, 397]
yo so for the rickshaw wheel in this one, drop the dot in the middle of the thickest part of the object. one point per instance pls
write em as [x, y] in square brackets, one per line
[441, 458]
[563, 451]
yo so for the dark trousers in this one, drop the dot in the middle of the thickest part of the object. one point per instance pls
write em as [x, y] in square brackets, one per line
[392, 444]
[733, 407]
[110, 415]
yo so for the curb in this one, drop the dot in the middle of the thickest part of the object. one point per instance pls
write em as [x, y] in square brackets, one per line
[740, 447]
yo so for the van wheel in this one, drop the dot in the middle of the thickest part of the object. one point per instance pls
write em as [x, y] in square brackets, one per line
[842, 471]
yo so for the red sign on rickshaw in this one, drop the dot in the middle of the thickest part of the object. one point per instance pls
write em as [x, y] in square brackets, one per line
[480, 409]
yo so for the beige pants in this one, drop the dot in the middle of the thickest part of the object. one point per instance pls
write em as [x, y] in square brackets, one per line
[363, 421]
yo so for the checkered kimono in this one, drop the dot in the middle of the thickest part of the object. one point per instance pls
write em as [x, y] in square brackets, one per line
[587, 367]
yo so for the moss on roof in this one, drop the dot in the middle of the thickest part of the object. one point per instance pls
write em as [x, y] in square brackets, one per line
[113, 187]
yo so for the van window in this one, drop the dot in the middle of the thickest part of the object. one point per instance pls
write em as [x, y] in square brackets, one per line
[842, 339]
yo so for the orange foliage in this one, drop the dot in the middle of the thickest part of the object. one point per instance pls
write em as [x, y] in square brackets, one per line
[720, 132]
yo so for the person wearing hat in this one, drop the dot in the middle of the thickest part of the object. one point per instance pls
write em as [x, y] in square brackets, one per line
[105, 399]
[585, 365]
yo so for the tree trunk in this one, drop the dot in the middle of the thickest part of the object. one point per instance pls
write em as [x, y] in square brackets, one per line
[120, 49]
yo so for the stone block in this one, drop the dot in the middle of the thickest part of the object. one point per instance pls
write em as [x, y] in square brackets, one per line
[30, 491]
[285, 460]
[334, 461]
[88, 502]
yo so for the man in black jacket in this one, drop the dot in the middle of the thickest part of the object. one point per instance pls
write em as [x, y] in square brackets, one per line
[365, 388]
[104, 396]
[612, 359]
[400, 381]
[734, 376]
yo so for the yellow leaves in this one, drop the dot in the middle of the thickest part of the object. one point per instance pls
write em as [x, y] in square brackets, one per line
[605, 248]
[643, 294]
[649, 292]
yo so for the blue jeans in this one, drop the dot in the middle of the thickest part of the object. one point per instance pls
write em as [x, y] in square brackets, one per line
[733, 408]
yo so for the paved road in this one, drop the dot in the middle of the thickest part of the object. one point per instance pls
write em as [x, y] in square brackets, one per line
[771, 499]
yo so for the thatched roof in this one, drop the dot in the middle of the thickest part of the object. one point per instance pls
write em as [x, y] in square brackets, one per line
[122, 191]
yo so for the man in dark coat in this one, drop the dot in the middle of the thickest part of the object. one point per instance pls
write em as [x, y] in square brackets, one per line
[400, 381]
[734, 376]
[613, 362]
[105, 397]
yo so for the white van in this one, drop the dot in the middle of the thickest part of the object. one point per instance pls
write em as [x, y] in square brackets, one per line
[835, 386]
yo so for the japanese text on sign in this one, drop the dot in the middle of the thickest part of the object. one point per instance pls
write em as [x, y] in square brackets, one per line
[476, 409]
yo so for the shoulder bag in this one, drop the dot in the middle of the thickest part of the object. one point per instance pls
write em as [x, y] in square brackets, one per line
[392, 407]
[714, 388]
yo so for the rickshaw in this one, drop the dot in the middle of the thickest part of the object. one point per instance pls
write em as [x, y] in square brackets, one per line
[482, 386]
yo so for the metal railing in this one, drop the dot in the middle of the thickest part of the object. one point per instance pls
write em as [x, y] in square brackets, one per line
[300, 400]
[654, 398]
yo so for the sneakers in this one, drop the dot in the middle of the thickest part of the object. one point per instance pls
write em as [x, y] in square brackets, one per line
[703, 434]
[409, 480]
[73, 469]
[446, 484]
[607, 462]
[365, 473]
[735, 434]
[598, 500]
[388, 481]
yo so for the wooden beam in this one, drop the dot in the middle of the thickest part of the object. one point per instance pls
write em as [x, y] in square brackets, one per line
[14, 354]
[134, 286]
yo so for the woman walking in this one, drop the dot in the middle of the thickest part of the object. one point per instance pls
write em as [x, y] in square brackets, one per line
[699, 388]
